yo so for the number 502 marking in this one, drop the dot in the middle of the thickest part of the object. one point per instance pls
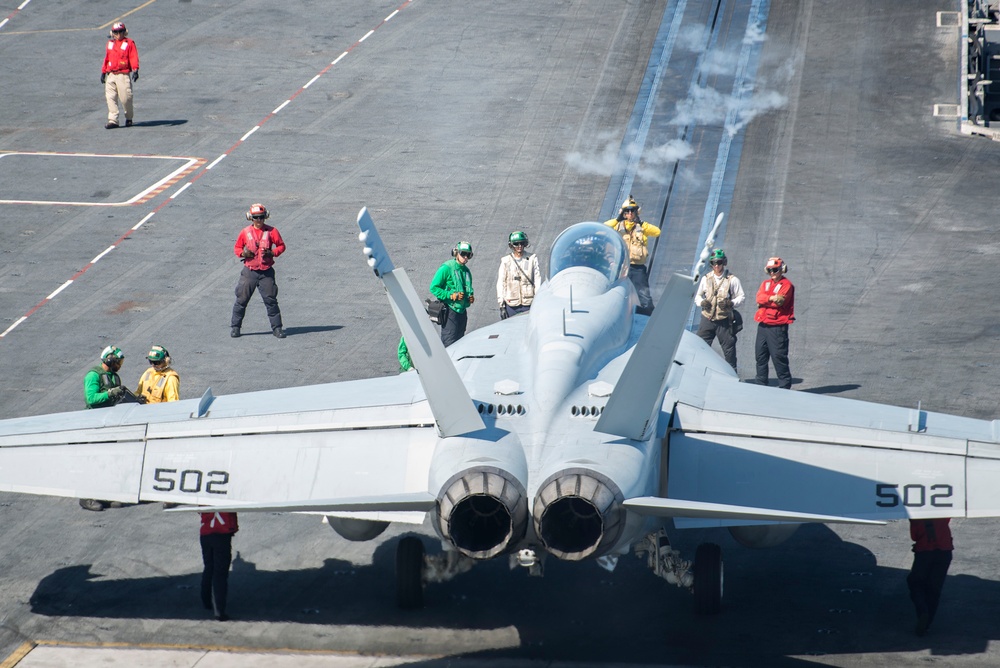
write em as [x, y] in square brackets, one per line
[190, 481]
[913, 495]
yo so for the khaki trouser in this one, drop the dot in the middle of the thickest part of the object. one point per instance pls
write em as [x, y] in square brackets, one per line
[118, 87]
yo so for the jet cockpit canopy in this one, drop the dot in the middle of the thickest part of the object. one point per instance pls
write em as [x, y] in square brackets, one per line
[593, 245]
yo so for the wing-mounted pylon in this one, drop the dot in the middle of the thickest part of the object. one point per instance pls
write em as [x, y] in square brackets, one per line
[449, 400]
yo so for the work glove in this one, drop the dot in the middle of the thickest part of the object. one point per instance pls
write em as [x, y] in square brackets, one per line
[503, 312]
[725, 303]
[706, 304]
[116, 393]
[456, 296]
[247, 253]
[268, 252]
[778, 299]
[135, 75]
[103, 77]
[141, 399]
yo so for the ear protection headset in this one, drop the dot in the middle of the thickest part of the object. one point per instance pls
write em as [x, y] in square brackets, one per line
[257, 211]
[776, 262]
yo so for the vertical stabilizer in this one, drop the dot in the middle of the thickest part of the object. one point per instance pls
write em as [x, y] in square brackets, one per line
[449, 400]
[632, 407]
[633, 404]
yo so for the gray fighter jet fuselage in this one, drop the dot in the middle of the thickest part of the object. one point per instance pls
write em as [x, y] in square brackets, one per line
[575, 430]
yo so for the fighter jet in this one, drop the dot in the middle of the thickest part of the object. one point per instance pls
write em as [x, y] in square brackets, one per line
[579, 431]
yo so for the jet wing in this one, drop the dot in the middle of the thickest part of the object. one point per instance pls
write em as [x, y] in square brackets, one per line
[300, 447]
[417, 501]
[657, 507]
[744, 445]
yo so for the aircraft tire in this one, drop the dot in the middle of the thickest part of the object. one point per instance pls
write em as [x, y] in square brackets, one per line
[409, 573]
[708, 577]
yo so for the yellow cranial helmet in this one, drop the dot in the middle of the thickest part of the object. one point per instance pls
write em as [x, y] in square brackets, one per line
[629, 205]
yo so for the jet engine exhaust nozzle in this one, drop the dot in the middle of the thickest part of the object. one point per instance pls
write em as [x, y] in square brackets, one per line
[483, 512]
[578, 513]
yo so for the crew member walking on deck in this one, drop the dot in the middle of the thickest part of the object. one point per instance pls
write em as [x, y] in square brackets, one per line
[120, 69]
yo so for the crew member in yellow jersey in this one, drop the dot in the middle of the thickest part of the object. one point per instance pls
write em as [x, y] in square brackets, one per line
[159, 382]
[636, 232]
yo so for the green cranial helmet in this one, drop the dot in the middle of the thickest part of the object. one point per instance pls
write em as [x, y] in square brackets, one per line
[157, 354]
[718, 256]
[112, 354]
[464, 248]
[517, 237]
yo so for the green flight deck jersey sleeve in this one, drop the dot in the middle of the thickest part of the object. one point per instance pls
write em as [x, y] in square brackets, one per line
[450, 278]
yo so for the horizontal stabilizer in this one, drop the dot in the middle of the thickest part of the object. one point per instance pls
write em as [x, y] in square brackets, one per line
[417, 501]
[661, 507]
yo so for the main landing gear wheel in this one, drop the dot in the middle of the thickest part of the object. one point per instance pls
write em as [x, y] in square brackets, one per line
[409, 573]
[708, 579]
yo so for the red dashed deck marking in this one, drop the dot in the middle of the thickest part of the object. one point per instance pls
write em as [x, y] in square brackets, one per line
[204, 170]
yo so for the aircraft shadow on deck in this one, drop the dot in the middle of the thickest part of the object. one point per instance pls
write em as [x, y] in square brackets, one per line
[813, 595]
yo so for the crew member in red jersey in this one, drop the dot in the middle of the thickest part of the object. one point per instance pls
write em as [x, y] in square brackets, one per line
[217, 531]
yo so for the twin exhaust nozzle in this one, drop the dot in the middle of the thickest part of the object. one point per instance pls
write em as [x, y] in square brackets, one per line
[483, 512]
